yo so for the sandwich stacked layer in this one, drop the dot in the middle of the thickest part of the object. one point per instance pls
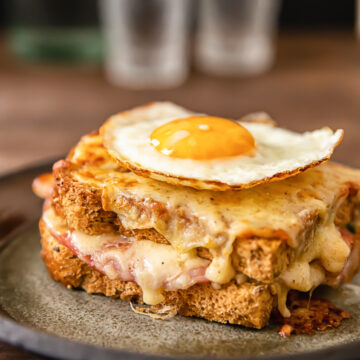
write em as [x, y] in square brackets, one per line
[223, 252]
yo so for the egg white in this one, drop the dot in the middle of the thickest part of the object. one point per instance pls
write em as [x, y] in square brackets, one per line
[278, 151]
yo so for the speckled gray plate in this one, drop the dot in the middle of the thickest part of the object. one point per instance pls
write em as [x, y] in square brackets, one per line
[41, 315]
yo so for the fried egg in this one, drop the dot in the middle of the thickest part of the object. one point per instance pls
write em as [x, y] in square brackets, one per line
[166, 142]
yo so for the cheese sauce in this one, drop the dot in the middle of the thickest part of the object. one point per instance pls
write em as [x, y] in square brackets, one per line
[189, 218]
[154, 267]
[299, 210]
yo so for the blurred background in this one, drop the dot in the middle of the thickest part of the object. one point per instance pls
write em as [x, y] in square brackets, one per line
[65, 66]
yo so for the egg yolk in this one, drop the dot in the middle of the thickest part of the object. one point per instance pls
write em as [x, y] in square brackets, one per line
[202, 138]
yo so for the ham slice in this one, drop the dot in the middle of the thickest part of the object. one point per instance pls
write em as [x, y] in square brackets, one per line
[154, 267]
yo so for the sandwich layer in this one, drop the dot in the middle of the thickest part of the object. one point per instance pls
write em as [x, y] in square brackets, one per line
[78, 197]
[227, 256]
[289, 234]
[249, 304]
[81, 205]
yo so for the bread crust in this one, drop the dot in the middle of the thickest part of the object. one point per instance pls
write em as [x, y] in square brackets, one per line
[249, 304]
[81, 206]
[79, 200]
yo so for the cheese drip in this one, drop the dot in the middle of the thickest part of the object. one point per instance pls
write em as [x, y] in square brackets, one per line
[325, 252]
[154, 267]
[189, 219]
[299, 210]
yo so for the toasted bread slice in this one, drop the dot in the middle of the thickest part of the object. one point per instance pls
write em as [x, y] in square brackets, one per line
[97, 196]
[249, 304]
[262, 259]
[284, 234]
[276, 237]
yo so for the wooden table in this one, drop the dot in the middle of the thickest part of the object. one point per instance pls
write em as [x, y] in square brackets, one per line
[315, 82]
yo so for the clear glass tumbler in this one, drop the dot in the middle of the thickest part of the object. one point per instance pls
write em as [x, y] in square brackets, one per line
[146, 42]
[236, 37]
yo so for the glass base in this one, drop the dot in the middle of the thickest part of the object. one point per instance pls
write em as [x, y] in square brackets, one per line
[248, 57]
[146, 77]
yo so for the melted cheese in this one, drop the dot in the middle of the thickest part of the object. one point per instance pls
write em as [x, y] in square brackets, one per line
[189, 218]
[154, 267]
[328, 247]
[300, 210]
[89, 151]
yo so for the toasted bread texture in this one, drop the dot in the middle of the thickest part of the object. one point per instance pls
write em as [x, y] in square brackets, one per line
[249, 303]
[89, 169]
[262, 259]
[260, 232]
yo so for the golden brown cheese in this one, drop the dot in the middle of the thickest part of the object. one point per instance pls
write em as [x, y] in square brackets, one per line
[90, 152]
[213, 220]
[299, 210]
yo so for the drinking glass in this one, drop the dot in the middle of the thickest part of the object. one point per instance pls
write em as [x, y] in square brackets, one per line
[236, 37]
[146, 42]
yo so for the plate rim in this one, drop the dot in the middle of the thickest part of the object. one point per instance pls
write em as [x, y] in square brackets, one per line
[47, 344]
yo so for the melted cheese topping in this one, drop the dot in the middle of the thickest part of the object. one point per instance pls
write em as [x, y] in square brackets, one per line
[189, 218]
[90, 152]
[154, 267]
[300, 210]
[329, 250]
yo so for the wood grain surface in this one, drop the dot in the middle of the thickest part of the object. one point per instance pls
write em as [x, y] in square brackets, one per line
[315, 82]
[45, 109]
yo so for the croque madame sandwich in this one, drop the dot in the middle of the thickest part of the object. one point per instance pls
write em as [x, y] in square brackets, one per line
[205, 216]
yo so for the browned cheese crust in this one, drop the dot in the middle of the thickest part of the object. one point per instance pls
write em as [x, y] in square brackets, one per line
[80, 203]
[248, 304]
[261, 254]
[259, 258]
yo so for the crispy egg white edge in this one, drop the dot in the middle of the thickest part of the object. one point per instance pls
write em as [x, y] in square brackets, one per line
[278, 150]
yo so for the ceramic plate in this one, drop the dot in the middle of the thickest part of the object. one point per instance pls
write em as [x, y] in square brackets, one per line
[43, 316]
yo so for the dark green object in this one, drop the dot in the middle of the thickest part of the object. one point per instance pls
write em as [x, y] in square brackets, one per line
[57, 44]
[56, 30]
